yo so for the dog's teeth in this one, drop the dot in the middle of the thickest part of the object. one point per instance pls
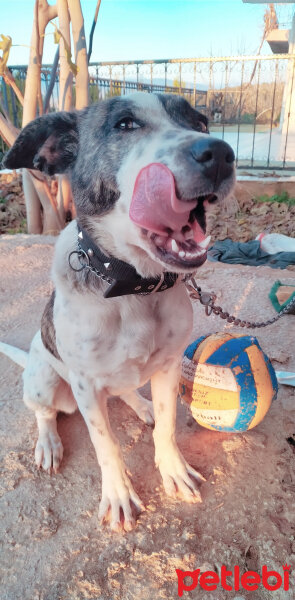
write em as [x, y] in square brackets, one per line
[174, 246]
[205, 243]
[200, 252]
[181, 254]
[191, 255]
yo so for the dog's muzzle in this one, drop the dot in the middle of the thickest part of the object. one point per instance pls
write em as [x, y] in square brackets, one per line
[171, 211]
[215, 159]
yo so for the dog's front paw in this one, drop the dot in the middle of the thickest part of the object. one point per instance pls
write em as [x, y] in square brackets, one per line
[117, 498]
[49, 451]
[179, 478]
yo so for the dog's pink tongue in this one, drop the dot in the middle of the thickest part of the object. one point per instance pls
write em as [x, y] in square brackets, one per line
[199, 235]
[154, 205]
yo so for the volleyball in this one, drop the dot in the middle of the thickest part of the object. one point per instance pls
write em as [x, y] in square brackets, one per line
[228, 381]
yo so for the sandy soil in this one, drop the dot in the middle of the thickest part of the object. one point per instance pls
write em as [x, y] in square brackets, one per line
[52, 547]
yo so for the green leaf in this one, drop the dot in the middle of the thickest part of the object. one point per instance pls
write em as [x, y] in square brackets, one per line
[57, 36]
[72, 65]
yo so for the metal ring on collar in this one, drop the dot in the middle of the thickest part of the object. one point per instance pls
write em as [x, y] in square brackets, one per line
[81, 255]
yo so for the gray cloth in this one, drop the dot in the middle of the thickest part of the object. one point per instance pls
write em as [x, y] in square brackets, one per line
[248, 253]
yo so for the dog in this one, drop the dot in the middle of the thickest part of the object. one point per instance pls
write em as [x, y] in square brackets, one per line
[144, 171]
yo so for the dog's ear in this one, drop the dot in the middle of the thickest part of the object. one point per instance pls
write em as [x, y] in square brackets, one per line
[49, 143]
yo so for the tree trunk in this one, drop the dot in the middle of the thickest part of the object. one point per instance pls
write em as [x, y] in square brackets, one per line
[65, 75]
[64, 195]
[82, 78]
[52, 223]
[49, 91]
[43, 13]
[36, 189]
[32, 200]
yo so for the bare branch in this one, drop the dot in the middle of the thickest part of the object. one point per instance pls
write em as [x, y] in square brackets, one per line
[92, 30]
[52, 11]
[82, 78]
[9, 79]
[8, 131]
[3, 108]
[66, 76]
[51, 82]
[39, 48]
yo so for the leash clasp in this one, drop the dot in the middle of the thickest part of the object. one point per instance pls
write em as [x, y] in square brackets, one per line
[196, 293]
[208, 301]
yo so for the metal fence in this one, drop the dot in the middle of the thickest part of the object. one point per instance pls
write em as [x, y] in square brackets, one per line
[246, 98]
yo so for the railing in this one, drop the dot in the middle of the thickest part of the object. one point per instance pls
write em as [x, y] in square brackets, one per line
[246, 98]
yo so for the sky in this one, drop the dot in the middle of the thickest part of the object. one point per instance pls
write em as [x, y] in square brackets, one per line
[150, 29]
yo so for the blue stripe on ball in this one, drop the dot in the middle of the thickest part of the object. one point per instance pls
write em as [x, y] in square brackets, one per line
[190, 351]
[230, 350]
[248, 394]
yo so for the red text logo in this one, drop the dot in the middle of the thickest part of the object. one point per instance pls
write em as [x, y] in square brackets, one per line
[233, 580]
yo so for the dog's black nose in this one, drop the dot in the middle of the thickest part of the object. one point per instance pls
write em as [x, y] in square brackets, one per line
[215, 157]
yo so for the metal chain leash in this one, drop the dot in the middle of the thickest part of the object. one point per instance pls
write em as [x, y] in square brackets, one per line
[195, 292]
[208, 300]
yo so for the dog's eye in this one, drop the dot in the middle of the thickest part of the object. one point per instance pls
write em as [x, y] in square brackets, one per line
[127, 123]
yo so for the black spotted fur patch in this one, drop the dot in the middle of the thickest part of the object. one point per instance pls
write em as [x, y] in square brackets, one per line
[48, 329]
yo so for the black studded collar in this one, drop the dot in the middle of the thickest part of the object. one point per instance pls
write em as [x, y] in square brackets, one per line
[121, 277]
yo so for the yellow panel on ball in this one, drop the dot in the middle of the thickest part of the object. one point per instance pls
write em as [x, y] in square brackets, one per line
[228, 382]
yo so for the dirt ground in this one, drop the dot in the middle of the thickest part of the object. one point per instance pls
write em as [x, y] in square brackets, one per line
[52, 547]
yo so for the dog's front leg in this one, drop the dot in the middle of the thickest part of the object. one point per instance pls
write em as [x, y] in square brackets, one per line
[117, 491]
[178, 476]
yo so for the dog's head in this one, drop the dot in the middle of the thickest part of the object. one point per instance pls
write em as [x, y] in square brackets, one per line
[143, 171]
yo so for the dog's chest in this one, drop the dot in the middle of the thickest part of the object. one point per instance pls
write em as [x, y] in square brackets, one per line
[121, 343]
